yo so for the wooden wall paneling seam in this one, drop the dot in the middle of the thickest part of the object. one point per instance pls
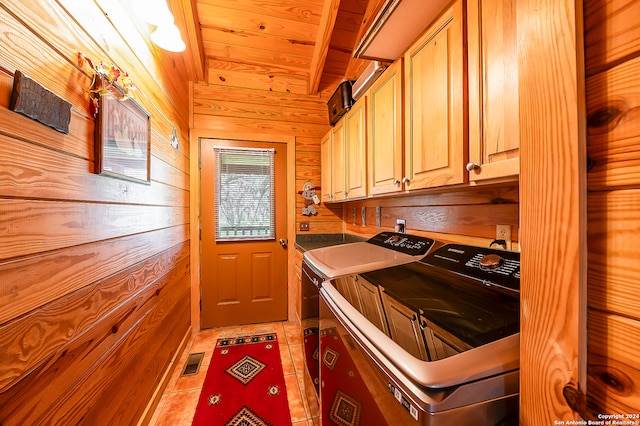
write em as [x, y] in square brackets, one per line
[612, 35]
[613, 233]
[265, 111]
[275, 80]
[614, 127]
[29, 399]
[117, 361]
[62, 224]
[242, 125]
[169, 175]
[614, 367]
[36, 172]
[259, 97]
[256, 41]
[133, 387]
[154, 400]
[64, 319]
[39, 279]
[295, 10]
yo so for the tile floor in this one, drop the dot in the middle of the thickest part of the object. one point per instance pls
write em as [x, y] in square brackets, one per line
[178, 403]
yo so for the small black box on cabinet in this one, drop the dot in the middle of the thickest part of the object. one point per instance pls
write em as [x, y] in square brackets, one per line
[340, 102]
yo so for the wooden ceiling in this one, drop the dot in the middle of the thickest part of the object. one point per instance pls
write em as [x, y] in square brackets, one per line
[295, 46]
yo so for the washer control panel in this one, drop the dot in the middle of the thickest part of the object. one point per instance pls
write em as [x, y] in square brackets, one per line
[492, 267]
[413, 245]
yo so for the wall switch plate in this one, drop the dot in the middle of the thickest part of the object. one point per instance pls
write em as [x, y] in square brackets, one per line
[353, 215]
[304, 226]
[401, 225]
[378, 216]
[503, 232]
[364, 216]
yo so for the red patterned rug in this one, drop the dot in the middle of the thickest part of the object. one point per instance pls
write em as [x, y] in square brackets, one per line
[244, 384]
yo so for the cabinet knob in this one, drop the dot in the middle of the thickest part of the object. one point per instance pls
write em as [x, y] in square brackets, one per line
[396, 182]
[406, 180]
[471, 166]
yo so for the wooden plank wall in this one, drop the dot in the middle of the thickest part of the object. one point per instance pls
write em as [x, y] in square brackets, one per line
[256, 106]
[94, 271]
[612, 53]
[466, 215]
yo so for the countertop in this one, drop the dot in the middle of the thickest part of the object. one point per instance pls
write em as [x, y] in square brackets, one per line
[306, 242]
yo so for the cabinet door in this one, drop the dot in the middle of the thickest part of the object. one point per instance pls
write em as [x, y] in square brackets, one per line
[403, 327]
[435, 148]
[325, 163]
[384, 139]
[338, 187]
[356, 150]
[371, 304]
[493, 89]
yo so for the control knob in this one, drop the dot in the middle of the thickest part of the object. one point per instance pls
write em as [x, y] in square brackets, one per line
[491, 262]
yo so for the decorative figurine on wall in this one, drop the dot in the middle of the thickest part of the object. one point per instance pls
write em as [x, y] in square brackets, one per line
[310, 199]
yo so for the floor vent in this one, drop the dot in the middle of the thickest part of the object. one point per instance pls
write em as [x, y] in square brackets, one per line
[193, 364]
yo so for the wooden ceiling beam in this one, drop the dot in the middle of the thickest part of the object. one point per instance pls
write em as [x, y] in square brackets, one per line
[325, 31]
[186, 16]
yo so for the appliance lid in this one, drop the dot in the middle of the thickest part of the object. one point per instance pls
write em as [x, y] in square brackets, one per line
[470, 313]
[381, 251]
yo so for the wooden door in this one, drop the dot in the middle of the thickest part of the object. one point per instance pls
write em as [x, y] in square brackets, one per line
[356, 150]
[435, 150]
[384, 139]
[494, 123]
[244, 266]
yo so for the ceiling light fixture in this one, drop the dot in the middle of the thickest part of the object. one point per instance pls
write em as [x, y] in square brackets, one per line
[166, 35]
[168, 38]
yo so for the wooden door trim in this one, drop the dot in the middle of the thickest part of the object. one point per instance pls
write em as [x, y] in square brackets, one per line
[195, 135]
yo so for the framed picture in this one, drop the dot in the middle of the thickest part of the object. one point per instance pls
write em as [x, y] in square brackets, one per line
[123, 137]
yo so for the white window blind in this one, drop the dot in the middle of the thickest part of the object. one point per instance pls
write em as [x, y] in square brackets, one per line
[244, 194]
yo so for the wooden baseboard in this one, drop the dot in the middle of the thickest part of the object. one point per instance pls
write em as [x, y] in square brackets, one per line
[149, 411]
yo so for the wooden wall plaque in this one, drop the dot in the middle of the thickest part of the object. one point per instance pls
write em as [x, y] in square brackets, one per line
[31, 99]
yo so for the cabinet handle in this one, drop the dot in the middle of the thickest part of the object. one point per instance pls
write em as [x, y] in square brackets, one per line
[329, 196]
[471, 166]
[406, 180]
[396, 182]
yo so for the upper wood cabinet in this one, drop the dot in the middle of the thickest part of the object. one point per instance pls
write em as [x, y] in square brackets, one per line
[435, 146]
[344, 156]
[338, 163]
[326, 189]
[356, 150]
[493, 89]
[384, 137]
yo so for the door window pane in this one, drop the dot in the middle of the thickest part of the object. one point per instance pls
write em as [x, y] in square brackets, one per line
[244, 194]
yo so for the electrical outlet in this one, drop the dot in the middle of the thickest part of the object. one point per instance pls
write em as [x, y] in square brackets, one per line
[364, 216]
[304, 226]
[378, 216]
[401, 225]
[503, 232]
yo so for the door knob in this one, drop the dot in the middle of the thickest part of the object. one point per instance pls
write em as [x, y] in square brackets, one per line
[282, 242]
